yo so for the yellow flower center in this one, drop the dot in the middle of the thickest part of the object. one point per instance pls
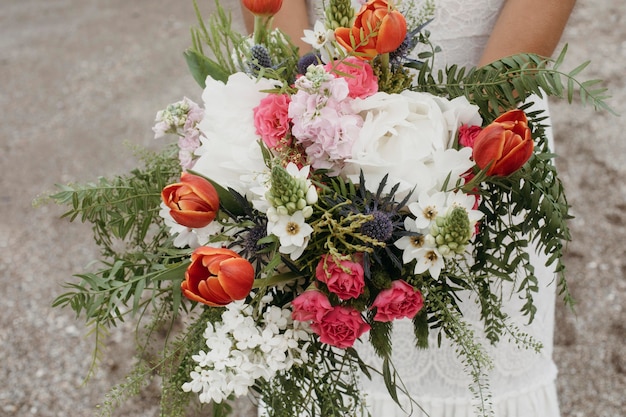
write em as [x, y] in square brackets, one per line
[293, 228]
[430, 212]
[417, 241]
[432, 256]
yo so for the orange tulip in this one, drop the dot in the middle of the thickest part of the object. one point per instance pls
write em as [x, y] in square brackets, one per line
[217, 276]
[377, 29]
[263, 7]
[506, 144]
[193, 202]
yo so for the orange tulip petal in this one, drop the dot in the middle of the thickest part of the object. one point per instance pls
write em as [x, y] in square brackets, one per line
[515, 115]
[515, 159]
[215, 291]
[392, 33]
[202, 188]
[488, 145]
[193, 219]
[237, 277]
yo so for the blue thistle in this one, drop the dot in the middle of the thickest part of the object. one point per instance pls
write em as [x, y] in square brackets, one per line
[380, 227]
[259, 58]
[306, 60]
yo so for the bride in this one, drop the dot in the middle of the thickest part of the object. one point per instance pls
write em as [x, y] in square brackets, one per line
[522, 382]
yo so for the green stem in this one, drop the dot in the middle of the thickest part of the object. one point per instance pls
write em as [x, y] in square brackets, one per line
[261, 24]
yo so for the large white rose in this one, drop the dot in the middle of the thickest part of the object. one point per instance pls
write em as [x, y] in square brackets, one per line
[408, 136]
[230, 152]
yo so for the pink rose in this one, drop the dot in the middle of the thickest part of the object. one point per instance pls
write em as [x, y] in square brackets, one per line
[344, 279]
[271, 120]
[361, 80]
[467, 135]
[340, 327]
[310, 305]
[401, 300]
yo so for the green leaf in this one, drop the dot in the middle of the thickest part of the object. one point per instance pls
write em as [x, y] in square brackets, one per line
[202, 67]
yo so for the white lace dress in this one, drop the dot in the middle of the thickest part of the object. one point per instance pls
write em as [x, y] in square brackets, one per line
[522, 382]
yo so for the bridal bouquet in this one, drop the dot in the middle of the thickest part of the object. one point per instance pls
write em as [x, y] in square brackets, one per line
[311, 201]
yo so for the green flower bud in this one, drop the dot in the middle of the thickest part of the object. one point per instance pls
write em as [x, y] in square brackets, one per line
[287, 194]
[452, 232]
[339, 13]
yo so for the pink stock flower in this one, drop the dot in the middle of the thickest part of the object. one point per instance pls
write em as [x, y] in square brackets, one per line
[399, 301]
[311, 305]
[272, 121]
[324, 122]
[344, 279]
[361, 80]
[340, 327]
[467, 135]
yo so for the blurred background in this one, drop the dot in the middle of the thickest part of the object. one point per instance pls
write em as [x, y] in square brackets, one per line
[80, 78]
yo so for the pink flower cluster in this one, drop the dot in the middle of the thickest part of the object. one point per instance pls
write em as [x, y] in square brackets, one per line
[340, 325]
[181, 118]
[319, 117]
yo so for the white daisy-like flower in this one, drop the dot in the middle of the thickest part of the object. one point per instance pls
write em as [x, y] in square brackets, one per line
[430, 260]
[427, 208]
[291, 229]
[422, 248]
[319, 37]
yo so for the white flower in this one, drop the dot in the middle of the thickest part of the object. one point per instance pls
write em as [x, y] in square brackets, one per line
[407, 136]
[291, 230]
[321, 38]
[230, 153]
[427, 208]
[243, 349]
[422, 248]
[459, 111]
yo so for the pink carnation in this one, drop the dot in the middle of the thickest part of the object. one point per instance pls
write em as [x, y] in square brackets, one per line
[467, 135]
[310, 305]
[271, 119]
[401, 300]
[340, 327]
[361, 80]
[344, 279]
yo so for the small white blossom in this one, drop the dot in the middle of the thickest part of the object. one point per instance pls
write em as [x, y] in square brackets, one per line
[242, 350]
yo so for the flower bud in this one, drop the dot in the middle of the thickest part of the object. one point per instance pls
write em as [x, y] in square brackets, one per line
[193, 202]
[505, 145]
[263, 7]
[452, 232]
[217, 276]
[378, 29]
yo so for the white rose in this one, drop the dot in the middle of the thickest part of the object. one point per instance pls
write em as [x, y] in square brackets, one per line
[230, 153]
[401, 135]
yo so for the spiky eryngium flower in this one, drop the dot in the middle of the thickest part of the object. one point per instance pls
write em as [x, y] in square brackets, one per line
[289, 194]
[339, 13]
[452, 232]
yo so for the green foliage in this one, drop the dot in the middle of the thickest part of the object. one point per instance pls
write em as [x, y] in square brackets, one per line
[324, 386]
[505, 83]
[135, 268]
[221, 41]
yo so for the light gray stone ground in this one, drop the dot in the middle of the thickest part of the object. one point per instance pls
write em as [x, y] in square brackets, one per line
[79, 78]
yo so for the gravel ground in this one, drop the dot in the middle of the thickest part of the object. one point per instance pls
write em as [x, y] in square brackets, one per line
[79, 78]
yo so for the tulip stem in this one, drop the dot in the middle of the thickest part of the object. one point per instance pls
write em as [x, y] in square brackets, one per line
[384, 65]
[261, 24]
